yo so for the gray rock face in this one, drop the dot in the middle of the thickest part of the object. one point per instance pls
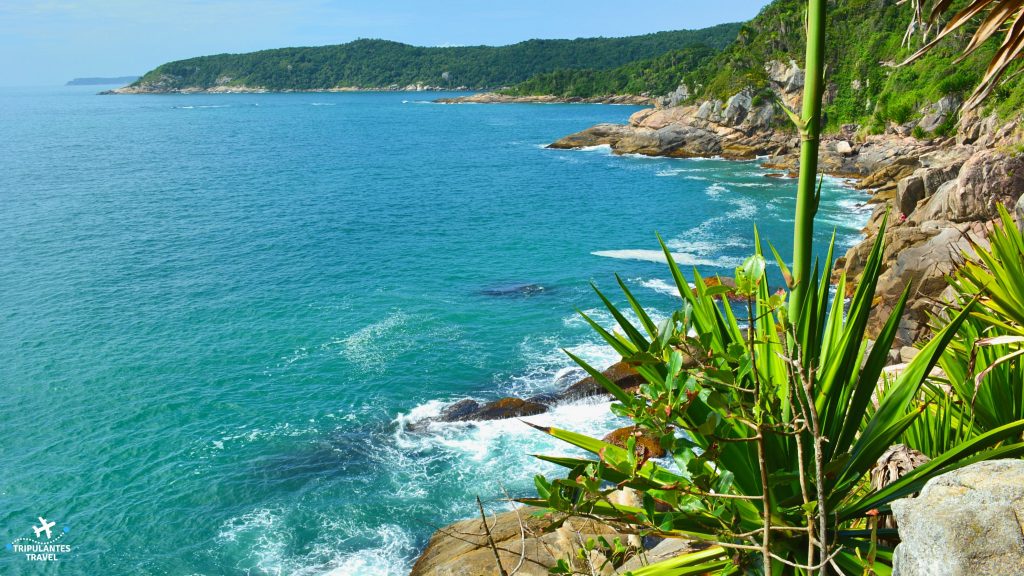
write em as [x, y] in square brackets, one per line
[908, 192]
[965, 523]
[985, 180]
[932, 178]
[738, 107]
[937, 113]
[709, 110]
[675, 140]
[787, 80]
[675, 97]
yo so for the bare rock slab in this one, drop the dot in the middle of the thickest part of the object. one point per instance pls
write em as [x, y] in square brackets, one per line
[968, 522]
[463, 549]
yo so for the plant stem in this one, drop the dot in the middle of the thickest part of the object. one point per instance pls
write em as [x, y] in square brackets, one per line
[806, 204]
[490, 540]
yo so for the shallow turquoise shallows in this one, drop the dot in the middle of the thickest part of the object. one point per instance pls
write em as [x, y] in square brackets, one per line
[219, 313]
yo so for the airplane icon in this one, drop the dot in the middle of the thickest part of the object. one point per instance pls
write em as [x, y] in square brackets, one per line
[44, 526]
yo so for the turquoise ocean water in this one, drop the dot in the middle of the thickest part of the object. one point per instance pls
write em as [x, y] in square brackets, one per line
[220, 312]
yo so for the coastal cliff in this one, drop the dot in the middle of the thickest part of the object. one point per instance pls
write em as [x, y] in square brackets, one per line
[499, 98]
[941, 192]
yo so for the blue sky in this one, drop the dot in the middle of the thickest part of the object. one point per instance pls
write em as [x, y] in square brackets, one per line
[45, 42]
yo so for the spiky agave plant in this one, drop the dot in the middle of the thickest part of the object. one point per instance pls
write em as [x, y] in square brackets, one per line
[769, 426]
[768, 429]
[983, 367]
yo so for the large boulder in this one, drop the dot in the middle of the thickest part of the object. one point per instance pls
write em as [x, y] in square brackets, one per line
[923, 266]
[938, 113]
[602, 134]
[966, 522]
[675, 140]
[737, 108]
[985, 180]
[472, 411]
[462, 548]
[934, 177]
[909, 191]
[621, 373]
[505, 408]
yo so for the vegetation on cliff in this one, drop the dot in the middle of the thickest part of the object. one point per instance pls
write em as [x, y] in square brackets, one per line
[655, 76]
[381, 63]
[864, 84]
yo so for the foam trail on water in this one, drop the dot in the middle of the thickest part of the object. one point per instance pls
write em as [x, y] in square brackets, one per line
[661, 287]
[681, 258]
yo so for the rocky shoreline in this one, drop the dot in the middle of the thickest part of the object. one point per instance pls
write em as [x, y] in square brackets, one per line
[498, 98]
[941, 195]
[164, 88]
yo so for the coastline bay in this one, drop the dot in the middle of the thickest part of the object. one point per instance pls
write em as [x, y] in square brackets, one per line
[221, 310]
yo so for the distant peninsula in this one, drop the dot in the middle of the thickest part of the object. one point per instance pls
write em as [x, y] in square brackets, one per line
[102, 81]
[384, 65]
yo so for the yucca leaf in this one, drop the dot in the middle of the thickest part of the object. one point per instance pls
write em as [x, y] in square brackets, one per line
[624, 349]
[603, 380]
[867, 382]
[645, 319]
[634, 335]
[691, 563]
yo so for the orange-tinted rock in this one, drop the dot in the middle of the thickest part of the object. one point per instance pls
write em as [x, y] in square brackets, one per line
[621, 373]
[643, 441]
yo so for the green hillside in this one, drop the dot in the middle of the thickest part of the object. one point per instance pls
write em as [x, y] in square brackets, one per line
[657, 76]
[380, 63]
[864, 42]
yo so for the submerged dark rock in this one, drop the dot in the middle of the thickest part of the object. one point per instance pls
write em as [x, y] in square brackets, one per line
[507, 408]
[459, 410]
[470, 411]
[514, 290]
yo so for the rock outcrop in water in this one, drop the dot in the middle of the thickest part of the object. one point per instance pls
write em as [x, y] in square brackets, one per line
[468, 410]
[498, 98]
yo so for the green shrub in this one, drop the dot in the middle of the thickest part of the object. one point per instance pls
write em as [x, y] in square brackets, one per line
[770, 429]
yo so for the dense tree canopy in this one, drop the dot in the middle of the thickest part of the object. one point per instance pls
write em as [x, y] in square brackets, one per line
[380, 63]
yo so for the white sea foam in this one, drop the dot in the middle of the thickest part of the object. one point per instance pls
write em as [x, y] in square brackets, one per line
[201, 106]
[681, 258]
[372, 346]
[605, 148]
[715, 190]
[751, 184]
[678, 171]
[263, 538]
[661, 287]
[388, 559]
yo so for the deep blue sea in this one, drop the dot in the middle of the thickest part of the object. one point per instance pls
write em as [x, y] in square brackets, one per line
[218, 313]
